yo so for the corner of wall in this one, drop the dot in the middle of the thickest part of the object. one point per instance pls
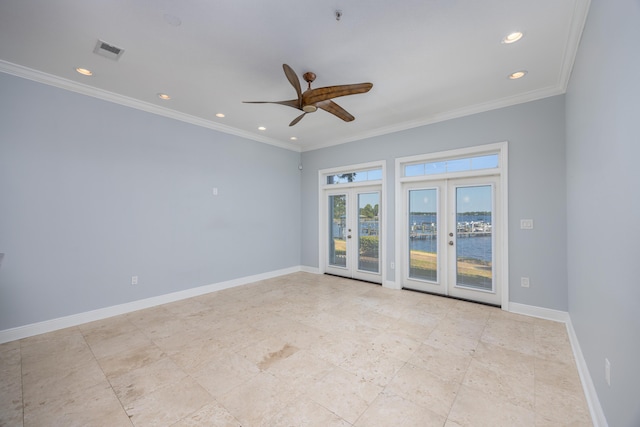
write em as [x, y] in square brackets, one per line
[595, 409]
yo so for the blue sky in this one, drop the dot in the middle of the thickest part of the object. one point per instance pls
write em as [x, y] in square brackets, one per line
[368, 199]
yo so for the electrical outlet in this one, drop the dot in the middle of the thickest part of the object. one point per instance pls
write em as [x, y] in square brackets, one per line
[393, 265]
[524, 282]
[134, 280]
[607, 371]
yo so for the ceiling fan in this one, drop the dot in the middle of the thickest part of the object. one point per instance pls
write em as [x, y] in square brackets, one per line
[312, 99]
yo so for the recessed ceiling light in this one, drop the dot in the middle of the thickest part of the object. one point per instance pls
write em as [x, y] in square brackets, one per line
[84, 71]
[262, 128]
[513, 37]
[220, 115]
[294, 138]
[517, 75]
[164, 96]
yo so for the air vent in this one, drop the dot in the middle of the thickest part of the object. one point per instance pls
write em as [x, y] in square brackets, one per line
[107, 50]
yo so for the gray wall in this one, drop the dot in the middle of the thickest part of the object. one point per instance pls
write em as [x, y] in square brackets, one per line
[535, 132]
[92, 193]
[603, 188]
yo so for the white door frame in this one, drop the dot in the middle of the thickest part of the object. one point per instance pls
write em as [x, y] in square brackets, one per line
[352, 233]
[446, 282]
[501, 149]
[323, 219]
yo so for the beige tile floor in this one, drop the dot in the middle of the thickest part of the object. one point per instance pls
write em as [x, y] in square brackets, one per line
[298, 350]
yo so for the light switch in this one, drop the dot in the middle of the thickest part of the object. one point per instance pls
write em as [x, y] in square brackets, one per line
[526, 224]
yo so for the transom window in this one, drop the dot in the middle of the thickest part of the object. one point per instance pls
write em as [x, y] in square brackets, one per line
[489, 161]
[356, 176]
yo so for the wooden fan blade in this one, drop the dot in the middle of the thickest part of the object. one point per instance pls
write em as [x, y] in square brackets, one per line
[323, 93]
[336, 110]
[295, 103]
[297, 119]
[293, 79]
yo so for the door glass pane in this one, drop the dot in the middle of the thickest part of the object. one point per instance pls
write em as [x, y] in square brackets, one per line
[423, 234]
[474, 242]
[337, 225]
[369, 232]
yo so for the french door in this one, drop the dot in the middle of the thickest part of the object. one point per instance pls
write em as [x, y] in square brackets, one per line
[353, 233]
[449, 243]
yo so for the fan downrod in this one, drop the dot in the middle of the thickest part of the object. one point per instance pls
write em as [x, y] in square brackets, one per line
[309, 77]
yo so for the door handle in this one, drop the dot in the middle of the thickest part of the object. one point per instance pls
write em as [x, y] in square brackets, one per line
[450, 242]
[349, 236]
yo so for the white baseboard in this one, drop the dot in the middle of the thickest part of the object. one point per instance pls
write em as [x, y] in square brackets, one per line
[312, 270]
[597, 414]
[541, 312]
[103, 313]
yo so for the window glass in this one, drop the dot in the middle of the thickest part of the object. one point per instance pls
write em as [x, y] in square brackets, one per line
[374, 175]
[435, 168]
[414, 170]
[358, 176]
[454, 165]
[484, 162]
[458, 165]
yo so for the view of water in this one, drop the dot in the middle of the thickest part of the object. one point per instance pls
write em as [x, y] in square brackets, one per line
[477, 247]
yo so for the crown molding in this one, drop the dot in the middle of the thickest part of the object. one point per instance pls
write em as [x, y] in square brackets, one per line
[62, 83]
[448, 115]
[581, 10]
[580, 14]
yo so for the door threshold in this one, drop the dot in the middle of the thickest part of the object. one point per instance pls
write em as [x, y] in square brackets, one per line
[351, 278]
[450, 297]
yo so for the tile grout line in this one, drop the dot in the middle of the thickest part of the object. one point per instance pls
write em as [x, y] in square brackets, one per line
[105, 377]
[473, 355]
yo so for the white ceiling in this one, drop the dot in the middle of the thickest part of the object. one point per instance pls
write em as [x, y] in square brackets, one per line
[428, 60]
